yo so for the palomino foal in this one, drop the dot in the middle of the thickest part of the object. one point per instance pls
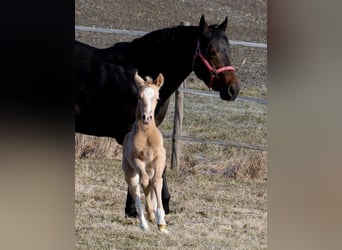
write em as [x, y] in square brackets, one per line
[144, 155]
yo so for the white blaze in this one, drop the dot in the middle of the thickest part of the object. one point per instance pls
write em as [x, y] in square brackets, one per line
[149, 93]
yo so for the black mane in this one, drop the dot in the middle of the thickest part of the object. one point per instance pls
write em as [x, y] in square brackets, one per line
[151, 47]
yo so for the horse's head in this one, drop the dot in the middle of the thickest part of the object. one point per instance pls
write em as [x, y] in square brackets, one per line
[211, 62]
[148, 96]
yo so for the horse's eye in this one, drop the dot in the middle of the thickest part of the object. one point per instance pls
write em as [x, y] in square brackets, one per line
[212, 52]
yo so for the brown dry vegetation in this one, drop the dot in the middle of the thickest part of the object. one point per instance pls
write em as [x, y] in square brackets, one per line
[219, 196]
[208, 211]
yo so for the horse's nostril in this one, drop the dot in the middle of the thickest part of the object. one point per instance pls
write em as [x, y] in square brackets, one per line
[231, 91]
[144, 117]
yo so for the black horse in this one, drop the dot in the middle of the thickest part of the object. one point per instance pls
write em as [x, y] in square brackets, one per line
[105, 93]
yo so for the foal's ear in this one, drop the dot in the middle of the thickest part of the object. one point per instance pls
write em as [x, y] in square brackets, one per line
[159, 80]
[203, 25]
[223, 25]
[138, 79]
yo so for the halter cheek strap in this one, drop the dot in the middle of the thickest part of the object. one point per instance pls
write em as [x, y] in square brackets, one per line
[213, 72]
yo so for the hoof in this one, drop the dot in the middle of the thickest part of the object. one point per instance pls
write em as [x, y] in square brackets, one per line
[162, 228]
[151, 220]
[131, 214]
[144, 226]
[151, 217]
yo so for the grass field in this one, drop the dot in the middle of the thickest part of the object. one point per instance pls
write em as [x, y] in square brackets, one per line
[208, 211]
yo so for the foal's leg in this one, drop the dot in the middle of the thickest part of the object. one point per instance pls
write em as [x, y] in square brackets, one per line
[148, 204]
[157, 182]
[134, 189]
[130, 209]
[132, 179]
[144, 179]
[148, 192]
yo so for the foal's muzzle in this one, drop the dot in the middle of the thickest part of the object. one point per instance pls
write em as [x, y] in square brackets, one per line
[147, 118]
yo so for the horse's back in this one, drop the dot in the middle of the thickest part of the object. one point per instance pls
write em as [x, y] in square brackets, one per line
[100, 90]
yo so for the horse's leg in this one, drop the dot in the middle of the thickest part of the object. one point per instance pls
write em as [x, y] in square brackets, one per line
[160, 112]
[148, 204]
[157, 182]
[144, 180]
[165, 194]
[135, 191]
[130, 210]
[154, 200]
[149, 194]
[132, 179]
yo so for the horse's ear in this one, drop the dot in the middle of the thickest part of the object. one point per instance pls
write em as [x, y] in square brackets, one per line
[203, 25]
[159, 80]
[138, 79]
[223, 25]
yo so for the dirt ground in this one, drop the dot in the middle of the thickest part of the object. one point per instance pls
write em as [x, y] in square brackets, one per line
[246, 19]
[212, 207]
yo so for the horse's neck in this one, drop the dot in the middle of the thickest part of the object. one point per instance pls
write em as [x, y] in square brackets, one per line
[169, 52]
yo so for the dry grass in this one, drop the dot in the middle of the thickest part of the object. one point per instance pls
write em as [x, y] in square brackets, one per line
[208, 211]
[94, 147]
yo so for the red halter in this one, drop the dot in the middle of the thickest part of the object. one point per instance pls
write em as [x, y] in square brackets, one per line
[214, 72]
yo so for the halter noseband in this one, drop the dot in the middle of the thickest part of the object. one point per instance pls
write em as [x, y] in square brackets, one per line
[213, 72]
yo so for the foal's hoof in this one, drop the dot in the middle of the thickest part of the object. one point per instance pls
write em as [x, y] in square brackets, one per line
[162, 228]
[151, 218]
[144, 226]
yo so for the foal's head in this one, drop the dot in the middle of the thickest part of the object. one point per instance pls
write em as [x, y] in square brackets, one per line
[212, 63]
[148, 97]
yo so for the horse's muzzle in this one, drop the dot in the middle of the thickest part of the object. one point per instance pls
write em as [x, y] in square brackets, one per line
[229, 93]
[147, 118]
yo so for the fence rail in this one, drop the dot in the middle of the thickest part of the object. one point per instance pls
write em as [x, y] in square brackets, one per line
[217, 142]
[179, 95]
[213, 94]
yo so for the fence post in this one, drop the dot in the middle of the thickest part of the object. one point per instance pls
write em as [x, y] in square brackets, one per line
[177, 128]
[178, 122]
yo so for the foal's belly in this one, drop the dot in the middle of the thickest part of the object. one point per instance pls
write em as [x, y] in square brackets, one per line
[147, 155]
